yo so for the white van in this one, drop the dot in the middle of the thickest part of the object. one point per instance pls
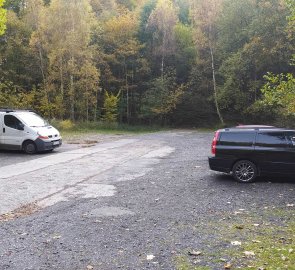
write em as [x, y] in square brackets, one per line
[27, 131]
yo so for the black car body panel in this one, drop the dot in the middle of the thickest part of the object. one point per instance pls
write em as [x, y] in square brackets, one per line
[271, 149]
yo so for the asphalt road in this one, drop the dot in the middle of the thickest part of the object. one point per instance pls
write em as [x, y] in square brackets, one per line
[133, 203]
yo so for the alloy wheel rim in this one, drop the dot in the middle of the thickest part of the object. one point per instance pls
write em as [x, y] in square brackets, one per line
[245, 172]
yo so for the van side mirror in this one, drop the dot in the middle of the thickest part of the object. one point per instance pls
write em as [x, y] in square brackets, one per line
[20, 126]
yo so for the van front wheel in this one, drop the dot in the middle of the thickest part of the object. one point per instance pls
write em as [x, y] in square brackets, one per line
[30, 147]
[245, 171]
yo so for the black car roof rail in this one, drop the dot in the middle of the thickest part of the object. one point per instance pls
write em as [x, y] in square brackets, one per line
[256, 128]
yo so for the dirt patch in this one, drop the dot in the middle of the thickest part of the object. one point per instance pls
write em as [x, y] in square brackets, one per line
[23, 211]
[91, 139]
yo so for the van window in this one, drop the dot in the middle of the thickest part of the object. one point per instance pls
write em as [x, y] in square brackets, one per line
[237, 138]
[11, 121]
[271, 139]
[32, 119]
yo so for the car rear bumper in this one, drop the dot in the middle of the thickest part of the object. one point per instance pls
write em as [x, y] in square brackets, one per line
[220, 165]
[47, 146]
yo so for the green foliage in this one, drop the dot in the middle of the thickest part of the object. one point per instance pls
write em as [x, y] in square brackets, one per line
[186, 53]
[162, 98]
[278, 93]
[59, 57]
[2, 18]
[111, 107]
[66, 125]
[253, 47]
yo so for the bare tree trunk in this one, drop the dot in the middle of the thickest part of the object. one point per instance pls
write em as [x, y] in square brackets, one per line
[95, 108]
[162, 67]
[45, 84]
[87, 109]
[72, 98]
[61, 79]
[214, 85]
[127, 92]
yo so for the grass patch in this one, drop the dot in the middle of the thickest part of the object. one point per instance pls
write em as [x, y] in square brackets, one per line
[262, 240]
[183, 263]
[68, 128]
[273, 248]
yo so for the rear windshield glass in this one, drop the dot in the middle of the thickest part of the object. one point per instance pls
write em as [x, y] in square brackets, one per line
[32, 120]
[237, 138]
[271, 139]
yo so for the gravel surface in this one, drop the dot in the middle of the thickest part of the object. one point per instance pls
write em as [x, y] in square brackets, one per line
[162, 208]
[69, 144]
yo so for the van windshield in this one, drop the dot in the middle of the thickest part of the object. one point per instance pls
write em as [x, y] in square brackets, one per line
[33, 120]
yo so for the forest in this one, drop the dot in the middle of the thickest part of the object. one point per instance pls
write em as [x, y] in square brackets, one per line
[192, 63]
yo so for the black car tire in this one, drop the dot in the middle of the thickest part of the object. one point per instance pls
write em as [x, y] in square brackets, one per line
[30, 147]
[244, 171]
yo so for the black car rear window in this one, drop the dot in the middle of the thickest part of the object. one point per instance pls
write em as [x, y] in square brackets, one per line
[291, 137]
[271, 139]
[237, 138]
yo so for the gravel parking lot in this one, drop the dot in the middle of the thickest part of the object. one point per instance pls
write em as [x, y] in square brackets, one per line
[140, 202]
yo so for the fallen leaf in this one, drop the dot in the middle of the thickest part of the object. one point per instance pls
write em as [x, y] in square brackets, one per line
[236, 243]
[194, 253]
[227, 266]
[256, 241]
[150, 257]
[240, 227]
[284, 258]
[249, 253]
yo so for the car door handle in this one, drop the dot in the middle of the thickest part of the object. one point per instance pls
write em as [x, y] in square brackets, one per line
[3, 130]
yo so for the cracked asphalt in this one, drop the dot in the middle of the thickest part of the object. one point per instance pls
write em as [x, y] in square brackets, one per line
[133, 203]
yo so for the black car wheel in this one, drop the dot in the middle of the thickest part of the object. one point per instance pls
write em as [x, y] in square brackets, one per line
[245, 171]
[30, 147]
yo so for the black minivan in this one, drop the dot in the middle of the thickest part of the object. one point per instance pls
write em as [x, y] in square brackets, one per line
[250, 151]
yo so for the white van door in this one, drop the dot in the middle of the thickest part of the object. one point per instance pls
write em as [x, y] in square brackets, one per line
[12, 134]
[1, 130]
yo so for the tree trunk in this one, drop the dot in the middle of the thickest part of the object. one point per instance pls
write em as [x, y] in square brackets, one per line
[87, 109]
[61, 79]
[214, 85]
[72, 98]
[127, 92]
[162, 67]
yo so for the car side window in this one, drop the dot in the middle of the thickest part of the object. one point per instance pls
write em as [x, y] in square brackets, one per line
[237, 138]
[271, 139]
[291, 137]
[11, 121]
